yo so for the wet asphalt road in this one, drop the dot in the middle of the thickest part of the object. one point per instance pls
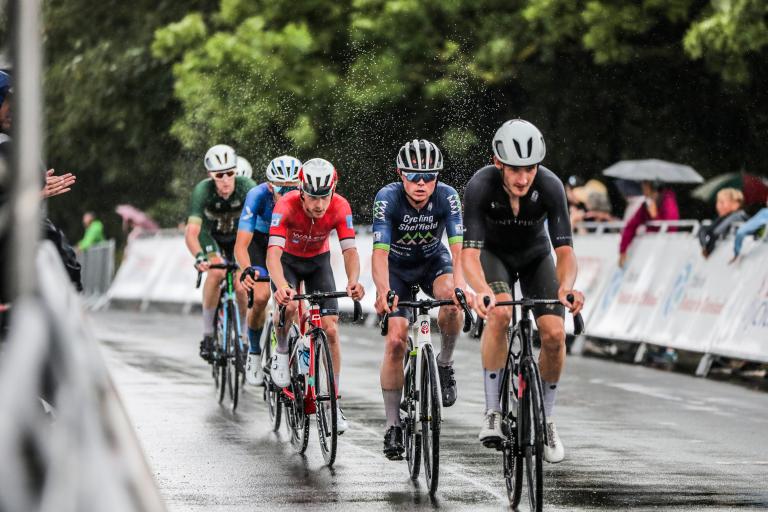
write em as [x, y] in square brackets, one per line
[635, 438]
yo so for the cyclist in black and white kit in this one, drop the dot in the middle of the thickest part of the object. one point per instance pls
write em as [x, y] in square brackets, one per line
[505, 239]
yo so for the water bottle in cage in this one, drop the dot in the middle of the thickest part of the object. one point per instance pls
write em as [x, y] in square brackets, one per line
[303, 355]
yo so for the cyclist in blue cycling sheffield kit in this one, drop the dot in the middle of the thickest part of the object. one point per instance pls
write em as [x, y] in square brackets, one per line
[507, 204]
[409, 218]
[251, 249]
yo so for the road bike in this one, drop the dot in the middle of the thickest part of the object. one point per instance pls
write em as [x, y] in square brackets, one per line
[229, 348]
[522, 408]
[422, 397]
[313, 388]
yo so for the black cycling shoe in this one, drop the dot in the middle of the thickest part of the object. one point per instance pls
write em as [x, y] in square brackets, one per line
[206, 348]
[393, 443]
[447, 385]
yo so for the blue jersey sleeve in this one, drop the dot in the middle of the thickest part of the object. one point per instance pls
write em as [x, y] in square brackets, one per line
[257, 210]
[382, 224]
[453, 223]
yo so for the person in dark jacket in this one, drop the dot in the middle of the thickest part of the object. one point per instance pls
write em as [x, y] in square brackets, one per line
[729, 211]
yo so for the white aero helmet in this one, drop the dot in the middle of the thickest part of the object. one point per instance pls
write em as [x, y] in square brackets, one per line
[220, 158]
[243, 168]
[318, 177]
[420, 155]
[519, 143]
[284, 169]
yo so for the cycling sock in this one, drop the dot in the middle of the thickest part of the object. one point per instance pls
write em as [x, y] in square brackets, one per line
[445, 357]
[492, 383]
[208, 315]
[282, 342]
[243, 325]
[550, 391]
[337, 380]
[392, 406]
[254, 339]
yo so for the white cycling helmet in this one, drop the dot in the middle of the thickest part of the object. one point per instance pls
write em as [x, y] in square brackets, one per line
[243, 168]
[220, 158]
[318, 177]
[284, 169]
[420, 155]
[519, 143]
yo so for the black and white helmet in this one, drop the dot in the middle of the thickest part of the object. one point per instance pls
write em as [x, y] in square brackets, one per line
[243, 168]
[318, 177]
[220, 158]
[519, 143]
[420, 155]
[283, 169]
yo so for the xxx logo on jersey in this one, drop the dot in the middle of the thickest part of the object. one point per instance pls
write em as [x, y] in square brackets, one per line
[455, 203]
[248, 213]
[379, 209]
[276, 218]
[417, 239]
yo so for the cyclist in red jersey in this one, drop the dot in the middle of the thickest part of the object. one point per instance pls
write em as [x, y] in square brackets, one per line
[299, 251]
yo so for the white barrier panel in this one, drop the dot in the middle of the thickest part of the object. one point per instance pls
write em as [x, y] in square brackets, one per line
[142, 264]
[597, 257]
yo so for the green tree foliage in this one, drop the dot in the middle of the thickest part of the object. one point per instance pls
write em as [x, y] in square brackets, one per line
[137, 91]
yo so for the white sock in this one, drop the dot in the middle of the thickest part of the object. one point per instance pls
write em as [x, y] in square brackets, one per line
[492, 383]
[550, 392]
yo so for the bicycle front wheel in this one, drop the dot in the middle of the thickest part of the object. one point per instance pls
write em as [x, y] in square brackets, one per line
[533, 408]
[325, 391]
[271, 392]
[430, 418]
[299, 421]
[238, 366]
[411, 433]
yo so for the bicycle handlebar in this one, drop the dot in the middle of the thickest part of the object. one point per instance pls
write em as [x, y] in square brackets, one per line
[260, 279]
[316, 297]
[217, 266]
[578, 320]
[469, 318]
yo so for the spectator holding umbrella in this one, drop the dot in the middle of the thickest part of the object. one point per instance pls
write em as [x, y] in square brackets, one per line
[659, 202]
[729, 211]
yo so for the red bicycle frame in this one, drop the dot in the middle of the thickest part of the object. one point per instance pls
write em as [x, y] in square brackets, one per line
[309, 322]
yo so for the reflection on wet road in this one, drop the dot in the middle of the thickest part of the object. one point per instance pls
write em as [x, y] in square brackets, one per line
[635, 438]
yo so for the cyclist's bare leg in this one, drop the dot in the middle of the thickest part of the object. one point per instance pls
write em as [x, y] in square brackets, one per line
[392, 368]
[493, 350]
[282, 333]
[242, 304]
[449, 319]
[330, 325]
[256, 315]
[551, 358]
[213, 280]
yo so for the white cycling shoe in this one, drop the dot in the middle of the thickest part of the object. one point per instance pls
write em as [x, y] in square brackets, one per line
[341, 421]
[254, 373]
[491, 432]
[553, 450]
[281, 375]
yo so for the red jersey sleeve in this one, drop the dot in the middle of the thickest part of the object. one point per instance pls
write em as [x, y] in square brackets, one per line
[345, 228]
[277, 227]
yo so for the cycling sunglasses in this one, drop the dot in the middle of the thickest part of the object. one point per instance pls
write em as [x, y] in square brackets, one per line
[223, 174]
[415, 177]
[284, 189]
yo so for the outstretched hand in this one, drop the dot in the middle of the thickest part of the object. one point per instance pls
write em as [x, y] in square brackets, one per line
[57, 185]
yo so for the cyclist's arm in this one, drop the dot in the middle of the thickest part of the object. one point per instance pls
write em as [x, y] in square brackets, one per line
[275, 267]
[473, 270]
[352, 265]
[382, 236]
[567, 268]
[455, 231]
[242, 242]
[191, 237]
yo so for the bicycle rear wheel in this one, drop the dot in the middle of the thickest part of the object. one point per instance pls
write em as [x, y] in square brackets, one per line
[325, 393]
[430, 418]
[533, 408]
[411, 434]
[272, 395]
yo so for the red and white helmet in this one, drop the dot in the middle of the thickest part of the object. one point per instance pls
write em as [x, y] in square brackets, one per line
[318, 177]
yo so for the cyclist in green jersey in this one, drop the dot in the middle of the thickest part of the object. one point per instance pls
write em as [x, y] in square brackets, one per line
[212, 228]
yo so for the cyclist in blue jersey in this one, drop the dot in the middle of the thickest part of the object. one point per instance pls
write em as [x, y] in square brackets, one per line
[251, 249]
[409, 219]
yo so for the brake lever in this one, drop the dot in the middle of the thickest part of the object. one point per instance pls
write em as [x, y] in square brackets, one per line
[384, 322]
[469, 319]
[578, 320]
[199, 279]
[358, 308]
[250, 298]
[480, 322]
[281, 322]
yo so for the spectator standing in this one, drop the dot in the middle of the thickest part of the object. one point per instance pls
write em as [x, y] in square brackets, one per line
[729, 211]
[752, 226]
[659, 204]
[94, 232]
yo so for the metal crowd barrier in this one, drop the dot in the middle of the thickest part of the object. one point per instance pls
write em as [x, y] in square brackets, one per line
[66, 444]
[98, 268]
